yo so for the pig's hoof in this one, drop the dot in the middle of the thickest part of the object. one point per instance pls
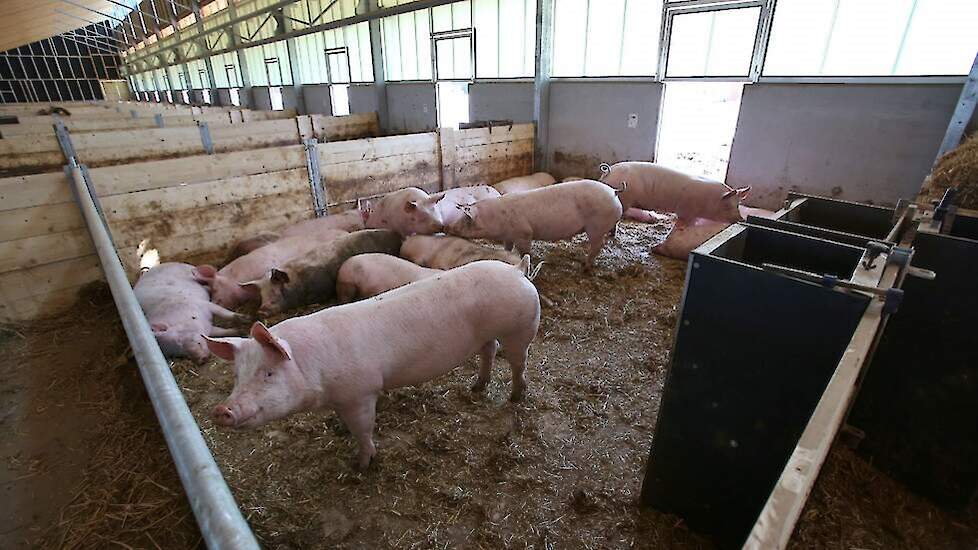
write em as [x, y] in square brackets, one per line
[364, 464]
[517, 395]
[479, 385]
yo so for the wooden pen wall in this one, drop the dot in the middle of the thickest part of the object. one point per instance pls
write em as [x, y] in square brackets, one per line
[194, 208]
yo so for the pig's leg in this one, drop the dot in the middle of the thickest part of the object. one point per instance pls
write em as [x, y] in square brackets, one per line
[516, 355]
[359, 418]
[523, 245]
[228, 315]
[486, 356]
[508, 245]
[346, 292]
[595, 242]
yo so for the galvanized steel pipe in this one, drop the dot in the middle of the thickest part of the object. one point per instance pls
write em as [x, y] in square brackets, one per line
[218, 516]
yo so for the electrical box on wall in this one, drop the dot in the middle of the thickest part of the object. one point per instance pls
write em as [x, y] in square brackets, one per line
[633, 120]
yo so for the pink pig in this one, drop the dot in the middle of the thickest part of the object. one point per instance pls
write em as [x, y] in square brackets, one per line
[227, 284]
[367, 275]
[406, 212]
[525, 183]
[246, 246]
[343, 357]
[446, 252]
[550, 213]
[179, 311]
[652, 186]
[683, 240]
[349, 221]
[446, 201]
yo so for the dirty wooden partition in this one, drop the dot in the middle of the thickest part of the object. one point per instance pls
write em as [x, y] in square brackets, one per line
[194, 208]
[36, 153]
[432, 161]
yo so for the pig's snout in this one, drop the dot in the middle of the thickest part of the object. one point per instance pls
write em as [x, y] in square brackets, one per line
[224, 416]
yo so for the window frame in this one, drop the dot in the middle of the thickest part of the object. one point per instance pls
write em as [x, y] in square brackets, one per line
[844, 79]
[761, 36]
[445, 36]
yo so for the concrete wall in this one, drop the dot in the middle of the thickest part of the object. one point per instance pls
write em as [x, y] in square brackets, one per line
[292, 99]
[411, 107]
[317, 99]
[363, 98]
[501, 101]
[260, 100]
[867, 143]
[589, 124]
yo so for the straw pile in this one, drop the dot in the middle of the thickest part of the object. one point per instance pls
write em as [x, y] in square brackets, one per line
[456, 469]
[959, 169]
[98, 466]
[853, 505]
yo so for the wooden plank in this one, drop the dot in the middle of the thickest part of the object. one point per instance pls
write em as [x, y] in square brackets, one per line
[33, 190]
[40, 280]
[337, 128]
[448, 150]
[42, 306]
[44, 249]
[352, 180]
[33, 143]
[158, 227]
[164, 173]
[212, 243]
[177, 198]
[375, 148]
[129, 139]
[495, 152]
[482, 136]
[39, 220]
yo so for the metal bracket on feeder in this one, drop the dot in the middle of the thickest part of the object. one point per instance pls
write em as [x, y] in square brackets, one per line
[873, 251]
[891, 297]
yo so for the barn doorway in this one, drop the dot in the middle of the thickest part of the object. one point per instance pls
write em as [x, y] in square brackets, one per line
[697, 126]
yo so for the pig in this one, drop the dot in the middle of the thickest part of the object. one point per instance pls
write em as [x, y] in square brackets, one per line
[446, 252]
[446, 200]
[349, 221]
[245, 246]
[683, 240]
[551, 213]
[525, 183]
[406, 212]
[367, 275]
[179, 311]
[311, 279]
[651, 186]
[227, 286]
[343, 357]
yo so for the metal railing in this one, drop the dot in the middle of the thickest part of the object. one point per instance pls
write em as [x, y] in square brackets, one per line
[220, 521]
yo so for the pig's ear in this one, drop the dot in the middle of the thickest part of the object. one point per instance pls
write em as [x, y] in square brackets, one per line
[410, 206]
[742, 192]
[256, 283]
[268, 340]
[279, 277]
[225, 348]
[205, 273]
[728, 194]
